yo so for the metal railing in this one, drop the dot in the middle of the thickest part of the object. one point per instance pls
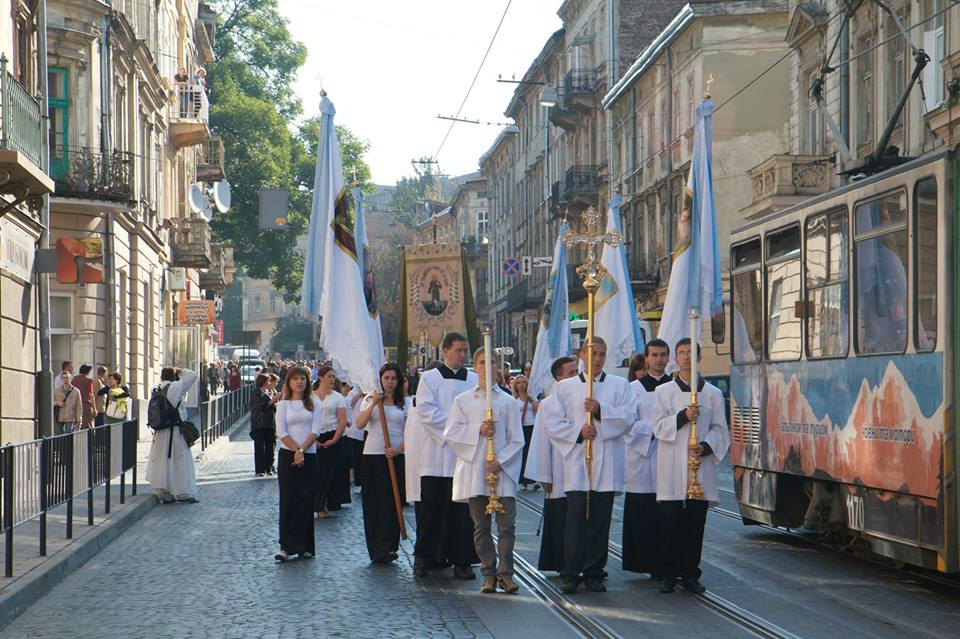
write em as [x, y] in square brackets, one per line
[20, 122]
[219, 414]
[581, 179]
[191, 103]
[580, 82]
[42, 474]
[80, 172]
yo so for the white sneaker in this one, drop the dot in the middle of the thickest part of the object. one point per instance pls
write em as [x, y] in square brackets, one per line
[281, 555]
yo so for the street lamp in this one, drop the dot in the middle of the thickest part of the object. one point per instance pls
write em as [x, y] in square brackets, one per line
[549, 97]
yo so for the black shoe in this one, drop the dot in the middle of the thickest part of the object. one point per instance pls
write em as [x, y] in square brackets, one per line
[604, 575]
[655, 576]
[693, 586]
[595, 585]
[570, 586]
[420, 567]
[668, 584]
[464, 572]
[391, 556]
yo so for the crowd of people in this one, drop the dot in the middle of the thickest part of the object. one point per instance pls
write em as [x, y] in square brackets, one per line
[428, 446]
[85, 400]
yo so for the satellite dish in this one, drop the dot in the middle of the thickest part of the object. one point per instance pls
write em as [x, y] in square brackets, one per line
[207, 212]
[221, 196]
[197, 200]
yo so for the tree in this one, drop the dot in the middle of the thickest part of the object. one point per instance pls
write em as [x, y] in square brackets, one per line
[290, 332]
[424, 185]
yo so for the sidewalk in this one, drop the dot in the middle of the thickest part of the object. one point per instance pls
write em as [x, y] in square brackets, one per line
[34, 575]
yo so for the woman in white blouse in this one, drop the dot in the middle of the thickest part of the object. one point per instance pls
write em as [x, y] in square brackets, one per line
[298, 425]
[333, 421]
[528, 415]
[380, 524]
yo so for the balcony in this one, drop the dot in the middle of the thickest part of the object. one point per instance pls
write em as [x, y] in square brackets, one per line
[783, 180]
[222, 268]
[210, 164]
[21, 142]
[89, 174]
[564, 117]
[189, 115]
[580, 90]
[191, 247]
[581, 184]
[517, 296]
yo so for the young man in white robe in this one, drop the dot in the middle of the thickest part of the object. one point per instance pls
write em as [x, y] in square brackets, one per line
[545, 465]
[614, 411]
[445, 529]
[641, 529]
[682, 520]
[467, 434]
[656, 355]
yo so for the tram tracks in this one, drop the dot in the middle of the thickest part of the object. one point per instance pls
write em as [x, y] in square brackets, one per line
[719, 605]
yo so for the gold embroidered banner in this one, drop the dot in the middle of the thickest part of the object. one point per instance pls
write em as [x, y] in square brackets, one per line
[434, 292]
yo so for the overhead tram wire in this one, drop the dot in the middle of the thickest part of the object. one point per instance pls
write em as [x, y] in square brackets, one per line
[474, 81]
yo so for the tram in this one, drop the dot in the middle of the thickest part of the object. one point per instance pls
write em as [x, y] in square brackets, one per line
[843, 376]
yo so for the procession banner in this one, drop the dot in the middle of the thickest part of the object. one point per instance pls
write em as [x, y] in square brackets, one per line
[553, 338]
[434, 291]
[374, 345]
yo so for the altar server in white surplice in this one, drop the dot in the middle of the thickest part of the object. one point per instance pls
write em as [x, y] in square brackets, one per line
[614, 412]
[682, 520]
[444, 527]
[467, 433]
[641, 526]
[545, 465]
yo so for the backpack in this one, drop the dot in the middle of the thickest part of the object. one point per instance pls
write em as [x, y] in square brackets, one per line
[160, 412]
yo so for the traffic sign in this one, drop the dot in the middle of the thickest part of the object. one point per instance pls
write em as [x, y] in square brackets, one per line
[543, 262]
[527, 263]
[511, 266]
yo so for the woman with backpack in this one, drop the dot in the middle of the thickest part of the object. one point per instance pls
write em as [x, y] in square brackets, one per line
[263, 426]
[117, 399]
[170, 468]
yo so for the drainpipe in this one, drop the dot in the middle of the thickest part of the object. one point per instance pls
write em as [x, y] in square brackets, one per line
[845, 86]
[109, 253]
[45, 374]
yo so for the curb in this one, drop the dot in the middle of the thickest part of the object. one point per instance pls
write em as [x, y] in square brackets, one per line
[56, 569]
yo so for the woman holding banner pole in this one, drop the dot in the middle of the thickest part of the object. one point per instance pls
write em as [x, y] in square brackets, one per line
[380, 523]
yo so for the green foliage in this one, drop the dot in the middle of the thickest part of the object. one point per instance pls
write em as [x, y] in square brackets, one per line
[253, 106]
[292, 331]
[424, 185]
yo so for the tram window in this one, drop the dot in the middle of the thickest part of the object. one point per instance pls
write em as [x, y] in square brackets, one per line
[783, 293]
[881, 274]
[747, 296]
[827, 302]
[925, 232]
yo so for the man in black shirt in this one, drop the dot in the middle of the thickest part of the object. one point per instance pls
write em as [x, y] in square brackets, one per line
[656, 354]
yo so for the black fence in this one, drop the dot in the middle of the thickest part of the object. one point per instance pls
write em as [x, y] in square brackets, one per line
[40, 475]
[219, 414]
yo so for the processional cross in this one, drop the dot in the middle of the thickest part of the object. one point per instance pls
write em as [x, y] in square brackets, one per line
[592, 272]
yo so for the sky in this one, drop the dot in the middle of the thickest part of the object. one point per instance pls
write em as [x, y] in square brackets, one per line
[391, 66]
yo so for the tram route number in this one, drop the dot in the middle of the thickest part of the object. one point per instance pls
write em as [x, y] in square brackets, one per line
[855, 512]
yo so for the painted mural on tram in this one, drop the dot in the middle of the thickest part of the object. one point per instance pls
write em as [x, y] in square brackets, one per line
[842, 375]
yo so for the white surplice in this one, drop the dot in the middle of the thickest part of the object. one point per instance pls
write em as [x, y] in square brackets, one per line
[564, 420]
[435, 394]
[462, 434]
[170, 468]
[672, 455]
[412, 437]
[544, 463]
[640, 446]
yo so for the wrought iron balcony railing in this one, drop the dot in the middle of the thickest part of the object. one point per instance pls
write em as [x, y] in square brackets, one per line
[580, 82]
[582, 179]
[85, 173]
[191, 246]
[20, 123]
[191, 103]
[210, 166]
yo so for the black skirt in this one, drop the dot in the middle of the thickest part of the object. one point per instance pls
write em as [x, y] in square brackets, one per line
[333, 474]
[641, 533]
[356, 458]
[298, 486]
[551, 543]
[380, 526]
[527, 436]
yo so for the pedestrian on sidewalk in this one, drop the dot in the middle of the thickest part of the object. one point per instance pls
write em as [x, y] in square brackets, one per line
[84, 384]
[467, 431]
[234, 381]
[380, 526]
[528, 417]
[99, 383]
[170, 468]
[116, 399]
[298, 425]
[333, 422]
[263, 427]
[213, 378]
[69, 405]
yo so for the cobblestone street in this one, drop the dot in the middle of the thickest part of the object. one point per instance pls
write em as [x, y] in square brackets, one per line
[207, 570]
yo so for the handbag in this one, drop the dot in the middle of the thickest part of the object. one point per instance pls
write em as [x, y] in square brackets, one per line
[190, 432]
[117, 408]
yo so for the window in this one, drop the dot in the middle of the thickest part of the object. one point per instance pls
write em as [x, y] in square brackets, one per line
[881, 274]
[865, 110]
[273, 303]
[747, 296]
[895, 79]
[59, 106]
[61, 328]
[925, 233]
[256, 305]
[934, 45]
[827, 291]
[783, 293]
[812, 123]
[483, 218]
[651, 136]
[691, 99]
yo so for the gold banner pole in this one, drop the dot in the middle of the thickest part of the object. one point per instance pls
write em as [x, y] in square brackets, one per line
[694, 490]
